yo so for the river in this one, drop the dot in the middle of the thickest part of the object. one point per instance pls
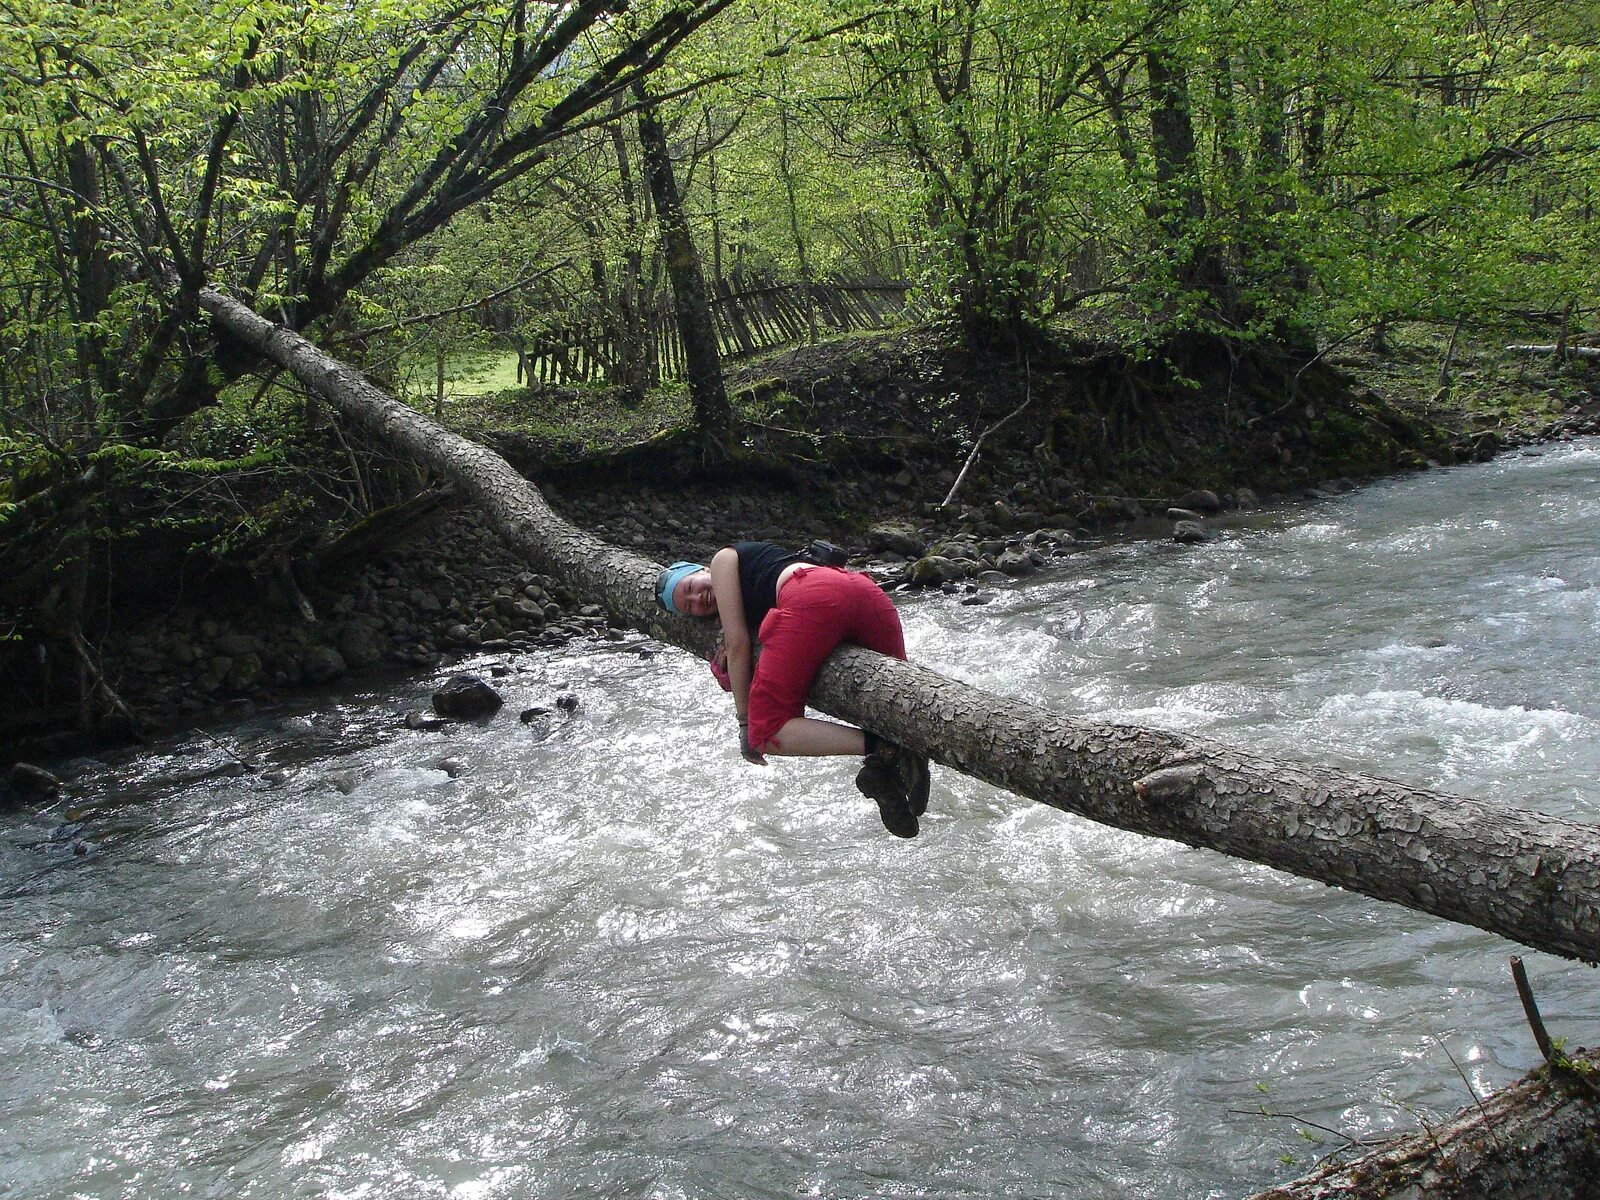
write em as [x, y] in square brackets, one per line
[596, 955]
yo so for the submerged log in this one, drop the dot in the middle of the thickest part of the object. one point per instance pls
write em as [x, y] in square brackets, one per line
[1538, 1139]
[1529, 877]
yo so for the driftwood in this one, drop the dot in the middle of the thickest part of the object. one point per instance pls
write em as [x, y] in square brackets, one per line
[1538, 1139]
[1529, 877]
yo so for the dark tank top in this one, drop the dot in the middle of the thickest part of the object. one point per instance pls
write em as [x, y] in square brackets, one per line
[760, 564]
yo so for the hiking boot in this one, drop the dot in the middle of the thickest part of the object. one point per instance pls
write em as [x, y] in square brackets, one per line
[912, 772]
[879, 780]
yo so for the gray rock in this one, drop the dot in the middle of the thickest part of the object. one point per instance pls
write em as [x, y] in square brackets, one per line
[453, 767]
[464, 697]
[1190, 532]
[526, 612]
[28, 782]
[245, 672]
[461, 634]
[1245, 498]
[1201, 500]
[896, 539]
[1017, 562]
[323, 663]
[422, 720]
[567, 702]
[936, 569]
[1183, 514]
[234, 644]
[361, 645]
[955, 548]
[492, 631]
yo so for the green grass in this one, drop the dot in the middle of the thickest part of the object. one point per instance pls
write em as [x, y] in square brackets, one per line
[466, 374]
[1489, 388]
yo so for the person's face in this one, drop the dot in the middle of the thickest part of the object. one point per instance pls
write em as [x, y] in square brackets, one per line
[695, 596]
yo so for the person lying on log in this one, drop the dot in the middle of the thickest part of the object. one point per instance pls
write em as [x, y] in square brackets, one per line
[798, 612]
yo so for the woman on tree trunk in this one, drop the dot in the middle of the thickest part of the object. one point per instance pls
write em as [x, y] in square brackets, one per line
[798, 612]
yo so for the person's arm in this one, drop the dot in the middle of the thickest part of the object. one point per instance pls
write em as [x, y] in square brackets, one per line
[735, 640]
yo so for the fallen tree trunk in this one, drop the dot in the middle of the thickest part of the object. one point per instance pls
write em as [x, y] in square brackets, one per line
[1527, 876]
[1564, 351]
[1538, 1139]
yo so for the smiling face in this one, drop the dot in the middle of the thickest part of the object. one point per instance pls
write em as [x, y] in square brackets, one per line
[694, 596]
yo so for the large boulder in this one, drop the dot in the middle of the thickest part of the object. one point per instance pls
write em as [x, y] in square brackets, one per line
[896, 539]
[1016, 562]
[936, 569]
[323, 664]
[361, 645]
[28, 782]
[464, 697]
[1191, 532]
[1201, 500]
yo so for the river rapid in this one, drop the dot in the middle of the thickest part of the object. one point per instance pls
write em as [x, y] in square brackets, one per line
[597, 955]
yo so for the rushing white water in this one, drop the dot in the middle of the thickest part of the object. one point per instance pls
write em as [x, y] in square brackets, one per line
[599, 955]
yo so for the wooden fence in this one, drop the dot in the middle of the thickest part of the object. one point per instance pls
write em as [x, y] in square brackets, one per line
[751, 315]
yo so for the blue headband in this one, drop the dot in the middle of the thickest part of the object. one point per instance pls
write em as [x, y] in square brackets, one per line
[667, 582]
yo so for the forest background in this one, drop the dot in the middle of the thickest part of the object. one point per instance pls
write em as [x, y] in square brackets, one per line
[1185, 182]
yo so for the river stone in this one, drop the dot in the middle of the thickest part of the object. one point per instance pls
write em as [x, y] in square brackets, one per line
[935, 569]
[896, 539]
[1183, 514]
[235, 644]
[361, 645]
[526, 612]
[466, 696]
[1201, 500]
[1190, 532]
[1245, 498]
[244, 673]
[28, 782]
[323, 663]
[1016, 562]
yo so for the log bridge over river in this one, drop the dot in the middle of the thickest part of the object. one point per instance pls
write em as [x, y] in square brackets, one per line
[1532, 878]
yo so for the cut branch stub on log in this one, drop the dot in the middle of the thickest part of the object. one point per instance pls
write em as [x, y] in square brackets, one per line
[1532, 878]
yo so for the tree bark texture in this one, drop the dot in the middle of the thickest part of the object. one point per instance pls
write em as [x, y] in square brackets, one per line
[1526, 876]
[1538, 1139]
[697, 330]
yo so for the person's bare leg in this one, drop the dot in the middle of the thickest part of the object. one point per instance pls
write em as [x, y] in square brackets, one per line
[808, 736]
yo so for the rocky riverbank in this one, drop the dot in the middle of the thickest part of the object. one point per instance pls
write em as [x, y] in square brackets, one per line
[448, 588]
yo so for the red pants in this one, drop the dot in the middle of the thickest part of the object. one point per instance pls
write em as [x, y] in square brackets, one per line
[818, 608]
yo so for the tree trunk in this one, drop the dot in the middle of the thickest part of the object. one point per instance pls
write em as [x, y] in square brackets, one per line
[1538, 1139]
[713, 415]
[1524, 875]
